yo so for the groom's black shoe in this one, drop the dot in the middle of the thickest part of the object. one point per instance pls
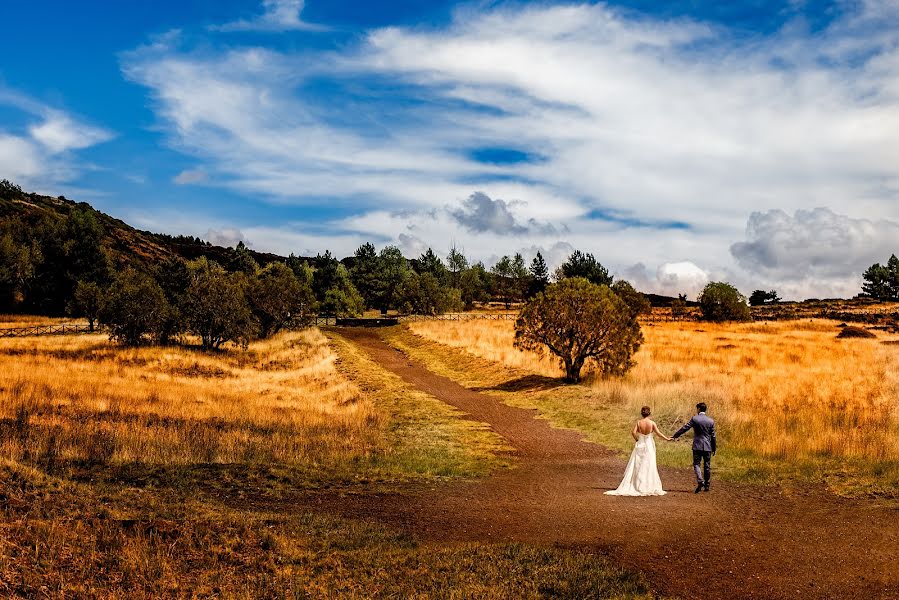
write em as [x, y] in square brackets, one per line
[705, 488]
[699, 488]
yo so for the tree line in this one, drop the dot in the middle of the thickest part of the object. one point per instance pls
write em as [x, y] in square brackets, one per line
[63, 264]
[239, 302]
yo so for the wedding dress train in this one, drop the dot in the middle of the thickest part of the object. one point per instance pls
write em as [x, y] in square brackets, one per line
[641, 477]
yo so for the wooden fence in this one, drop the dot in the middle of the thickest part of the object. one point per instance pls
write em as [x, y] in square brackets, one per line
[460, 317]
[57, 329]
[79, 328]
[380, 321]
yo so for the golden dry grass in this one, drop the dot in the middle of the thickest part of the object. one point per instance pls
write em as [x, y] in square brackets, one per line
[492, 340]
[81, 398]
[14, 321]
[302, 400]
[786, 390]
[171, 472]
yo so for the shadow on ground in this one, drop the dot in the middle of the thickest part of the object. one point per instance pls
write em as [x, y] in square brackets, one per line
[528, 383]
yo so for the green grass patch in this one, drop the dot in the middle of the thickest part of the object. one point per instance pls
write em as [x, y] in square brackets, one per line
[427, 437]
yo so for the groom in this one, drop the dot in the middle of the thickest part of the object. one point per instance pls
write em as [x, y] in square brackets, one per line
[704, 445]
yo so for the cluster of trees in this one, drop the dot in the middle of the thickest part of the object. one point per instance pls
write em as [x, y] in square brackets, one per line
[882, 281]
[201, 298]
[761, 297]
[427, 285]
[240, 301]
[42, 258]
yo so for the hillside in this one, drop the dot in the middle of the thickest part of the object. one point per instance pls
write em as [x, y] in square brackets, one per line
[127, 245]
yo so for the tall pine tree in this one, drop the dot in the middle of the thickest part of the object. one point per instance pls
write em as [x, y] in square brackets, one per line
[539, 276]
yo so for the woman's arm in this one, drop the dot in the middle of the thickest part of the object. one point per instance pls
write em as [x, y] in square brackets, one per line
[661, 435]
[634, 432]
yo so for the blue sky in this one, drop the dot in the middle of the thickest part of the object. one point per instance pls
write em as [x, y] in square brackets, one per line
[754, 141]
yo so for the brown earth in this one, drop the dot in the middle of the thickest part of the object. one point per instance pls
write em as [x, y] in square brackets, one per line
[738, 541]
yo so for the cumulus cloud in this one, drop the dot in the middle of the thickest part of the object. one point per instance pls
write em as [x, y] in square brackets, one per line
[554, 254]
[228, 237]
[669, 279]
[480, 213]
[189, 176]
[277, 16]
[816, 243]
[681, 277]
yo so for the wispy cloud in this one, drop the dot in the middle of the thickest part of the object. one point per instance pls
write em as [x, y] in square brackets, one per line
[189, 176]
[44, 154]
[682, 127]
[59, 132]
[277, 16]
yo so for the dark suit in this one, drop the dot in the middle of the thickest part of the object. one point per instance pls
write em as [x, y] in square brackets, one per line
[704, 445]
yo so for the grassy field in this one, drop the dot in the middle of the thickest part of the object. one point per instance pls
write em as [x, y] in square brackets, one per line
[14, 321]
[170, 472]
[790, 399]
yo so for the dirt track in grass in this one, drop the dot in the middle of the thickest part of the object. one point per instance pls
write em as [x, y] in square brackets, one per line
[738, 541]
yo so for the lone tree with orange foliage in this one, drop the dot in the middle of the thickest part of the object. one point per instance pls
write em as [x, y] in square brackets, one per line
[579, 321]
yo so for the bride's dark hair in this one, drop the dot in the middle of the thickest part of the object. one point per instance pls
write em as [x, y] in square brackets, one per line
[645, 411]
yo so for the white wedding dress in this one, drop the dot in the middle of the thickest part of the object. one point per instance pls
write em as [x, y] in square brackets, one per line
[641, 477]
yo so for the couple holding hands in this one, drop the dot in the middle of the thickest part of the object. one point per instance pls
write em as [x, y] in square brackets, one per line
[641, 476]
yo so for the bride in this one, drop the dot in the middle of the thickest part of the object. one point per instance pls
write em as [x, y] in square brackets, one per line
[641, 477]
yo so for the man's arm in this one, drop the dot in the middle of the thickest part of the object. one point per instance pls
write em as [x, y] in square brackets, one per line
[714, 439]
[683, 429]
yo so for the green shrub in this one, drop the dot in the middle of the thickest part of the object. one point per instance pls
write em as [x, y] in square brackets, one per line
[720, 301]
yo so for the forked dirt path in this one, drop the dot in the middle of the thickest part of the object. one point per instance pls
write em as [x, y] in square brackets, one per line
[738, 541]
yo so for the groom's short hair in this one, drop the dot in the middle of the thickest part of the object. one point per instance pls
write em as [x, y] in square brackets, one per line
[701, 407]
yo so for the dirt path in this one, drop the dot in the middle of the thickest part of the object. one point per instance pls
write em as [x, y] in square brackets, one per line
[738, 541]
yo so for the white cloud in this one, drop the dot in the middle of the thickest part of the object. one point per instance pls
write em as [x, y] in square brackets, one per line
[59, 133]
[681, 278]
[411, 245]
[45, 156]
[553, 254]
[20, 158]
[669, 279]
[297, 239]
[482, 214]
[814, 246]
[277, 16]
[228, 237]
[651, 121]
[189, 176]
